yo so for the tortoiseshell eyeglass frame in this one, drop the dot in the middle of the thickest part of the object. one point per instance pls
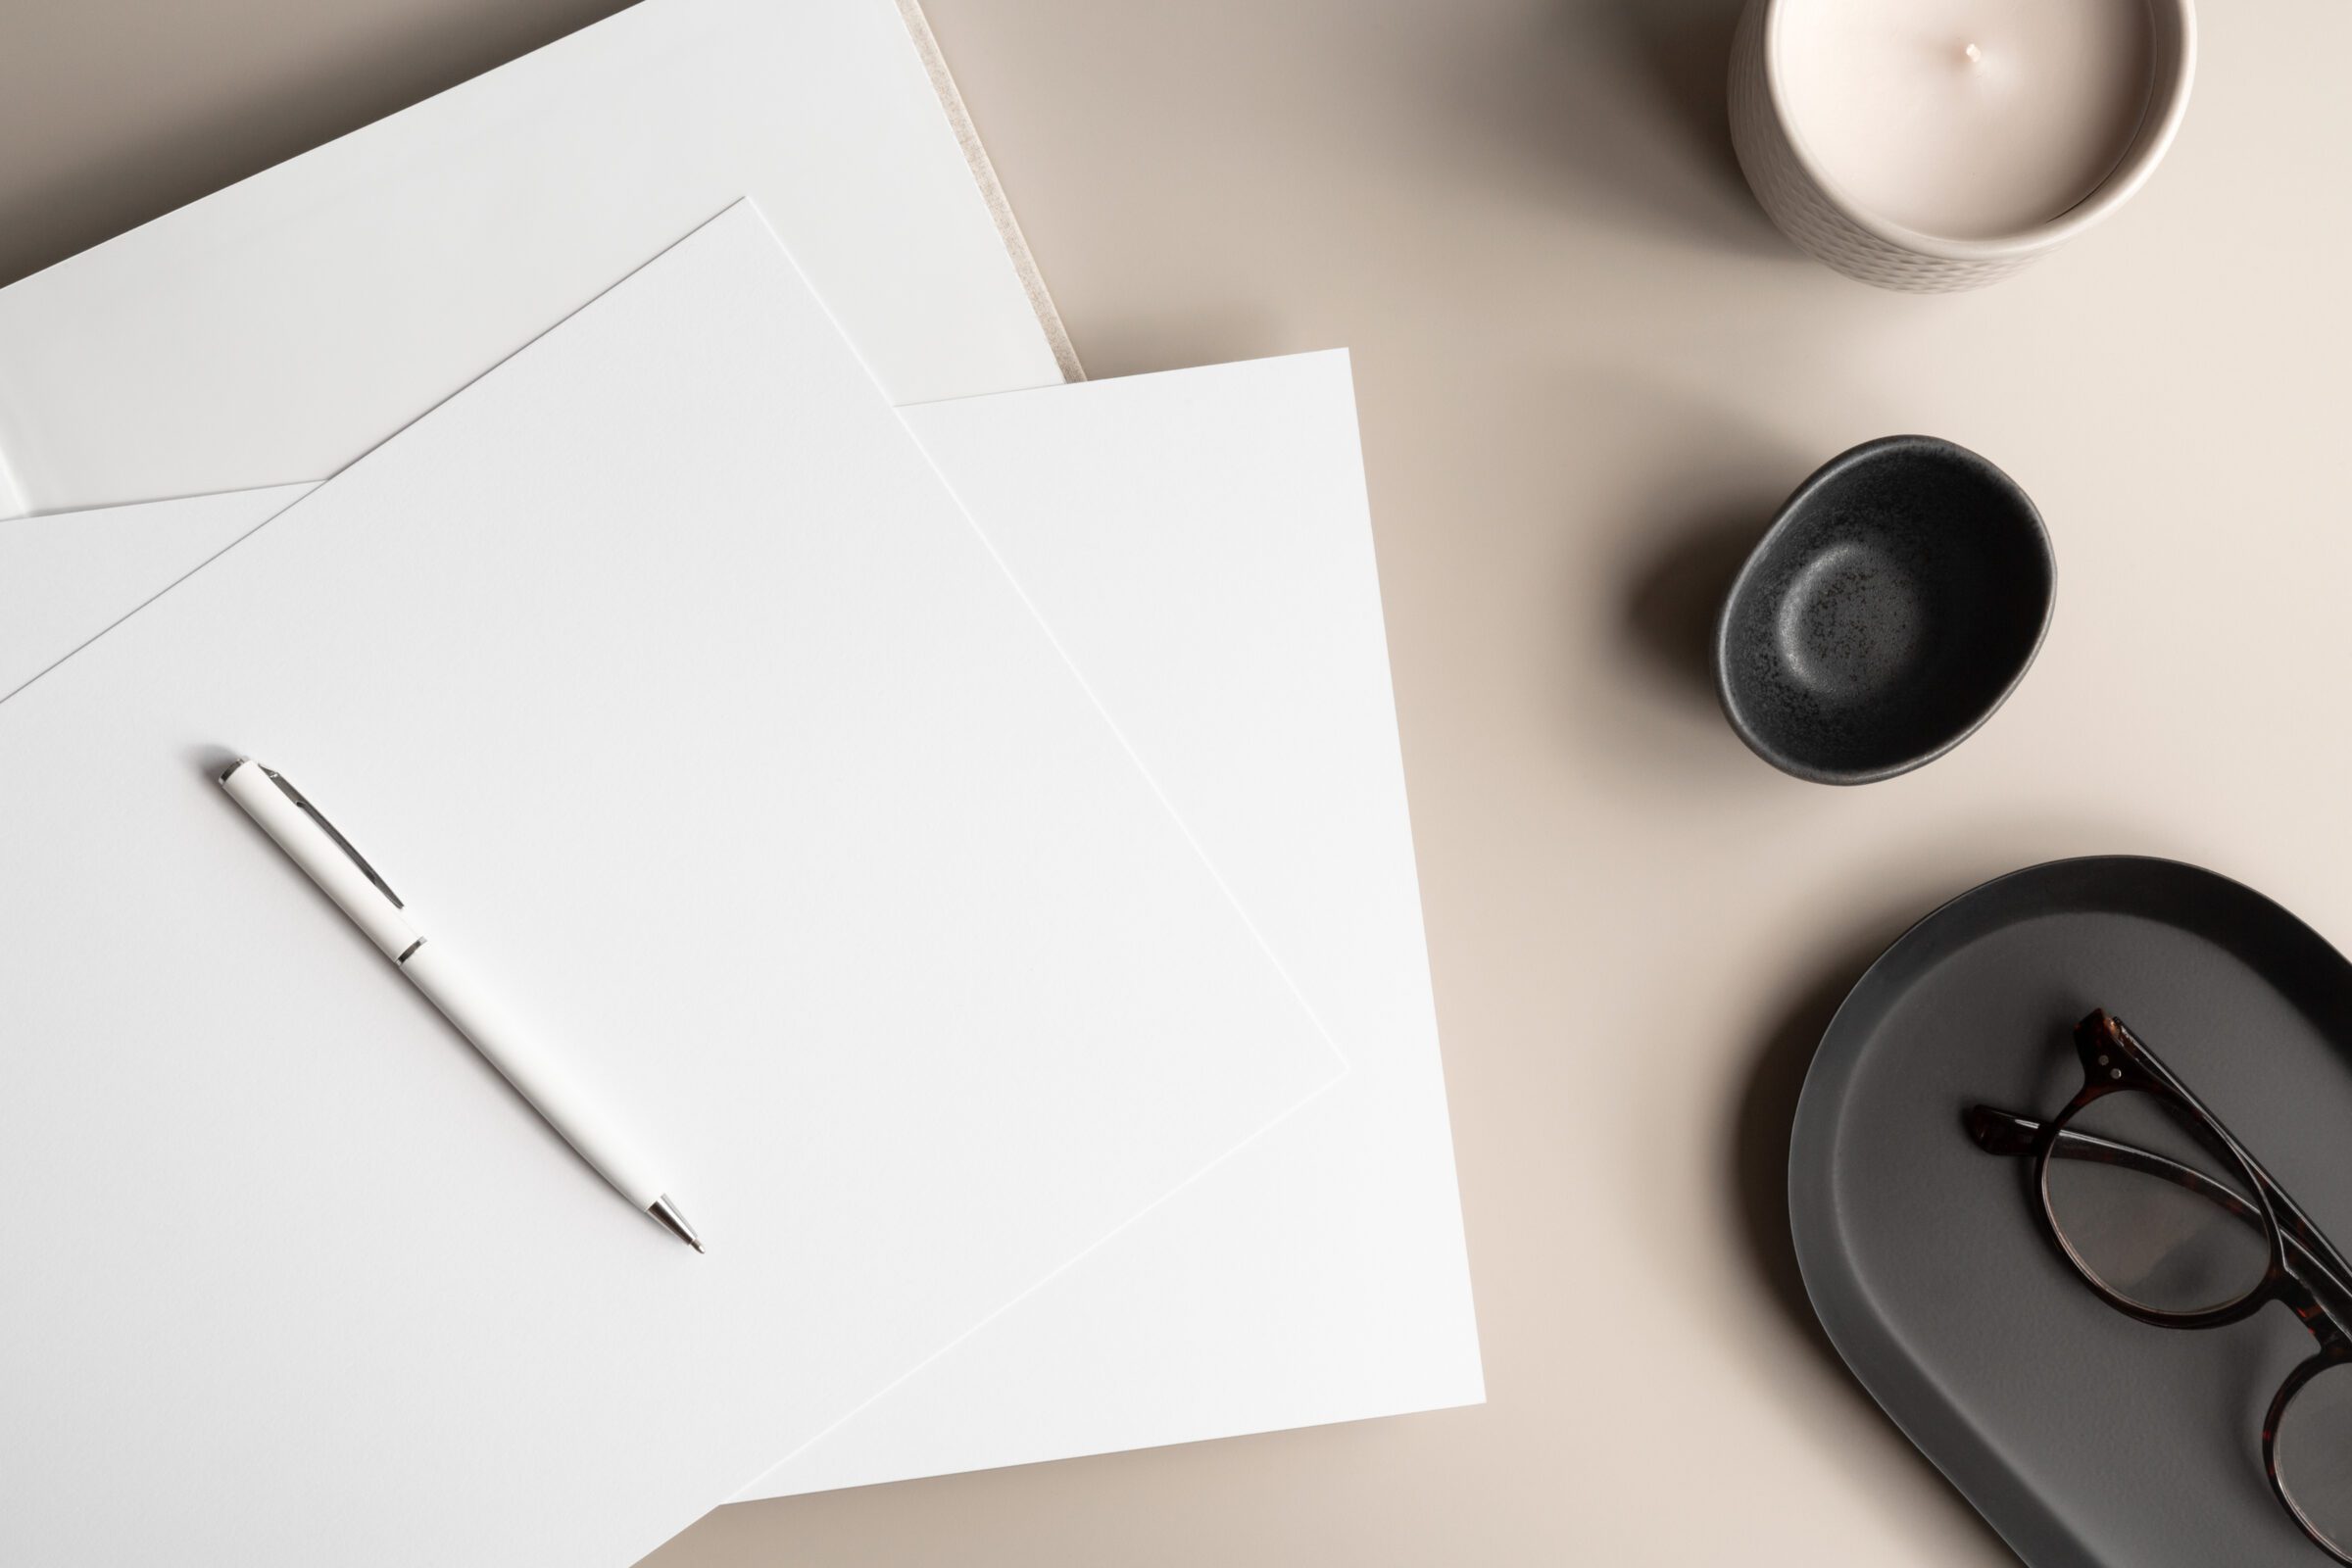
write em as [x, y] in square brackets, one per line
[2302, 1261]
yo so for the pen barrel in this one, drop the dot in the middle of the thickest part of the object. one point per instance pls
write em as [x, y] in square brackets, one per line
[535, 1073]
[330, 866]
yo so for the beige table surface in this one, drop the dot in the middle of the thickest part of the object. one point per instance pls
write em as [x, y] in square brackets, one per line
[1587, 369]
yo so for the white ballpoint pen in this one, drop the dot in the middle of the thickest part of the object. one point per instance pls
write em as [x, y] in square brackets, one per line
[329, 860]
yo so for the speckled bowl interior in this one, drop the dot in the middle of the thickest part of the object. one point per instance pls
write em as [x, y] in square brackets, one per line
[1894, 602]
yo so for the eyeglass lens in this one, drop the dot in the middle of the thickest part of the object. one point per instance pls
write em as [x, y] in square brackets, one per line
[2315, 1454]
[2162, 1238]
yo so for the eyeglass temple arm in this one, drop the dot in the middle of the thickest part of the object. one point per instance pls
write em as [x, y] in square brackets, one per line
[2004, 1132]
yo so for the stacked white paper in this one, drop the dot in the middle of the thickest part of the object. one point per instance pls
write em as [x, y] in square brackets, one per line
[1197, 542]
[677, 693]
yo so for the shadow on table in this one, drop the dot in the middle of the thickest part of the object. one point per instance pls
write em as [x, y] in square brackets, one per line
[1673, 598]
[1758, 1168]
[1767, 1113]
[1628, 96]
[1691, 490]
[1686, 46]
[1763, 1112]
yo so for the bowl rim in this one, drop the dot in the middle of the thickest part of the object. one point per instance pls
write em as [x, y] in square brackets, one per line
[2168, 104]
[1852, 457]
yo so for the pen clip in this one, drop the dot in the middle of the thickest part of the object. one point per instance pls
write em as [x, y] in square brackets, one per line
[341, 842]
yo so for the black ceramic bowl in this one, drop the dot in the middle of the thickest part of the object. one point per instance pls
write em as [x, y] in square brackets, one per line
[1896, 600]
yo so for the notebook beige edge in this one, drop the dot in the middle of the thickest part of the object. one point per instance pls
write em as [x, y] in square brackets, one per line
[984, 175]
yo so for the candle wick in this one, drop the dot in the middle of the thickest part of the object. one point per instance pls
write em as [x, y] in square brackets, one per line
[1975, 54]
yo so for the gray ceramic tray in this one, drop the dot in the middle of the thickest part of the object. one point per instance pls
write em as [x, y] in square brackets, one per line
[2088, 1439]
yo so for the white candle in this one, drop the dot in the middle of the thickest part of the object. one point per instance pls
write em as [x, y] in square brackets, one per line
[1964, 119]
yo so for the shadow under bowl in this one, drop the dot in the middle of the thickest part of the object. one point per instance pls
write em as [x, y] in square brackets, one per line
[1895, 602]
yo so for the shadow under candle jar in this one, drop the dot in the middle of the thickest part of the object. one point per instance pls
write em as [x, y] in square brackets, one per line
[1933, 145]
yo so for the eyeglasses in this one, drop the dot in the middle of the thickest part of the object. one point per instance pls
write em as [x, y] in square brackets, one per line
[2168, 1219]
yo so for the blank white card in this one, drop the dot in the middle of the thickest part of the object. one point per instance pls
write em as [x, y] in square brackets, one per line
[1198, 541]
[659, 670]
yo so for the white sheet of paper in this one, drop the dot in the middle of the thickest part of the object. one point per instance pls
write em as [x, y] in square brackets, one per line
[1200, 541]
[277, 329]
[1201, 544]
[64, 580]
[658, 653]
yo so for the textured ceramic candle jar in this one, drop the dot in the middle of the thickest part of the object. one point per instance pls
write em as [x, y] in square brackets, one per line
[1932, 145]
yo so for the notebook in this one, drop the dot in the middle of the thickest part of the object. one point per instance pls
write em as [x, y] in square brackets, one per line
[661, 674]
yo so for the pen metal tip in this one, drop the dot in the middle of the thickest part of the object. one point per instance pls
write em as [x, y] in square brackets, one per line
[666, 1212]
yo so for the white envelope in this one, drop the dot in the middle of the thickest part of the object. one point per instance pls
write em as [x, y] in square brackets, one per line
[1319, 1278]
[664, 677]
